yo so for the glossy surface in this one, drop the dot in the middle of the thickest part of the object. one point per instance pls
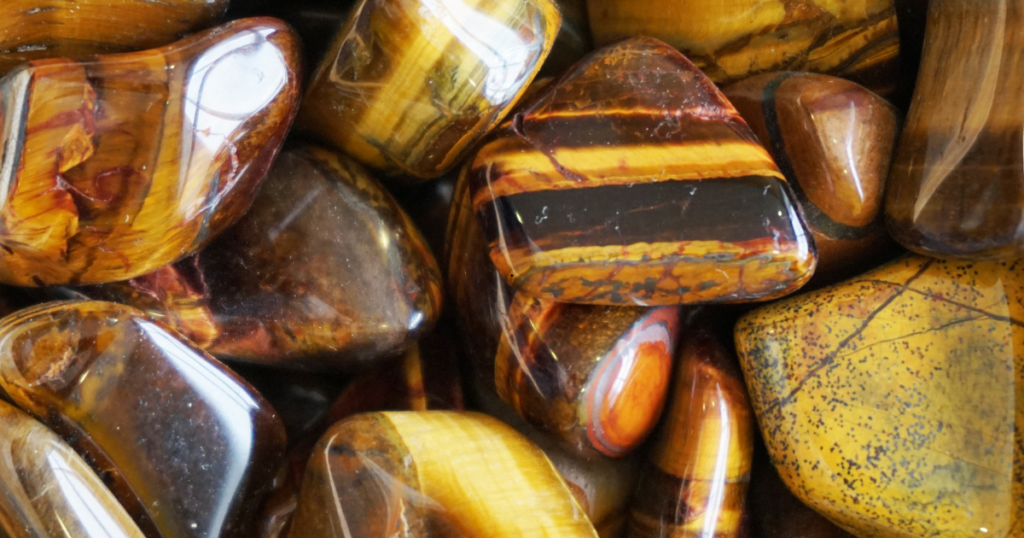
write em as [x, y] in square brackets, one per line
[833, 140]
[37, 29]
[696, 481]
[957, 183]
[594, 376]
[778, 514]
[187, 446]
[48, 491]
[889, 402]
[120, 165]
[408, 86]
[733, 39]
[632, 180]
[438, 474]
[324, 272]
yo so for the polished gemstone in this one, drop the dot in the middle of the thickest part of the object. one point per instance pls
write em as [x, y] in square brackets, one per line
[187, 446]
[324, 272]
[777, 513]
[122, 164]
[733, 39]
[433, 474]
[957, 183]
[408, 86]
[594, 376]
[49, 491]
[834, 141]
[889, 402]
[37, 29]
[695, 483]
[632, 180]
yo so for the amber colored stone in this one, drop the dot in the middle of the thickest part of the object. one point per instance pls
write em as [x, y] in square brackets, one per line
[187, 446]
[37, 29]
[833, 140]
[49, 491]
[632, 180]
[594, 376]
[408, 86]
[889, 402]
[696, 481]
[122, 164]
[777, 513]
[957, 183]
[433, 474]
[733, 39]
[324, 272]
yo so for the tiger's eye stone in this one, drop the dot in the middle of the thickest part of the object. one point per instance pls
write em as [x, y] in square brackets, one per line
[594, 376]
[889, 403]
[733, 39]
[695, 483]
[187, 446]
[324, 272]
[433, 474]
[37, 29]
[408, 86]
[632, 180]
[957, 183]
[834, 141]
[48, 491]
[117, 166]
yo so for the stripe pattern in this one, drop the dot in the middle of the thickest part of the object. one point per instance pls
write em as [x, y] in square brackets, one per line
[632, 180]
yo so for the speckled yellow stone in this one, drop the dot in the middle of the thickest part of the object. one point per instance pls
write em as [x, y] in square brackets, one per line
[889, 403]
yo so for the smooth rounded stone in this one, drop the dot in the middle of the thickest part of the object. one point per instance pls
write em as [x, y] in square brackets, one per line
[632, 181]
[119, 165]
[777, 513]
[695, 483]
[888, 403]
[593, 376]
[409, 86]
[734, 39]
[324, 272]
[433, 474]
[38, 29]
[49, 491]
[186, 446]
[957, 183]
[834, 141]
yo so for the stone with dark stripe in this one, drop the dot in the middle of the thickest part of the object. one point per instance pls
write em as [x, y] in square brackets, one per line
[834, 141]
[632, 180]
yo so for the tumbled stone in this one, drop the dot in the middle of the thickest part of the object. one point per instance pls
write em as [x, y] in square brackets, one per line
[632, 180]
[119, 165]
[324, 272]
[433, 474]
[594, 376]
[695, 483]
[889, 402]
[187, 446]
[957, 183]
[777, 513]
[733, 39]
[833, 140]
[408, 86]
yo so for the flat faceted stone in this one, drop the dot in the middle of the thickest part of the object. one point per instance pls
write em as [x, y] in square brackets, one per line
[632, 180]
[324, 272]
[733, 39]
[957, 183]
[408, 86]
[695, 482]
[186, 445]
[37, 29]
[593, 376]
[889, 403]
[433, 474]
[119, 165]
[833, 140]
[49, 491]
